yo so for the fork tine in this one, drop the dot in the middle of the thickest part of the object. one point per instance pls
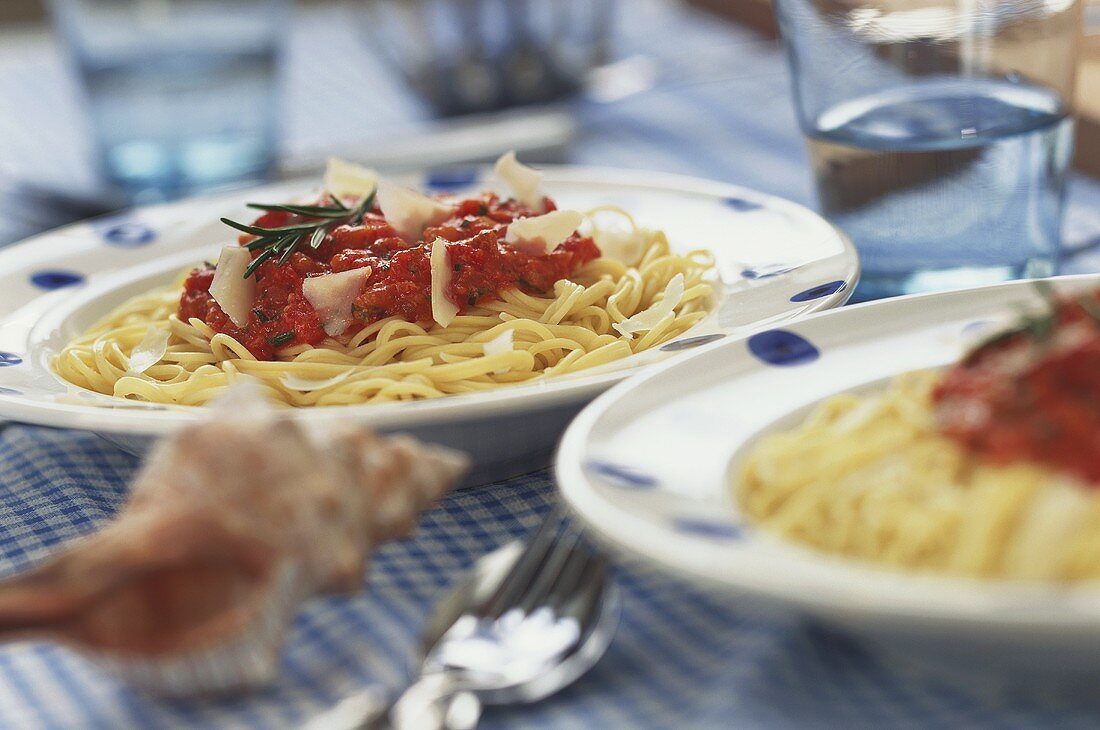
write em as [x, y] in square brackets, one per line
[586, 600]
[564, 551]
[568, 578]
[527, 566]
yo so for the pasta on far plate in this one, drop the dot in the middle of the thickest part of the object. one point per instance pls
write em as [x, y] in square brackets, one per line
[989, 469]
[371, 292]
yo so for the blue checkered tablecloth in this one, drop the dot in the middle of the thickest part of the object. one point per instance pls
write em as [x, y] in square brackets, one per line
[682, 658]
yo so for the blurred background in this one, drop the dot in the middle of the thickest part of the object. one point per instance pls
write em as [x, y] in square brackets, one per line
[106, 103]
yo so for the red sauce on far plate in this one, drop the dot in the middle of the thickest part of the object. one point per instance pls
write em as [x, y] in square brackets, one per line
[1033, 395]
[483, 267]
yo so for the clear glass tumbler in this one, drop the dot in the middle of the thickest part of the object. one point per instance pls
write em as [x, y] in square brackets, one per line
[181, 94]
[940, 132]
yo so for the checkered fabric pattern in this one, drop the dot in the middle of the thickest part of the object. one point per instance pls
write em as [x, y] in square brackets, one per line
[681, 658]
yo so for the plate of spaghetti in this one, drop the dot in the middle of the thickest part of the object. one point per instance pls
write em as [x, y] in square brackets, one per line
[922, 472]
[476, 307]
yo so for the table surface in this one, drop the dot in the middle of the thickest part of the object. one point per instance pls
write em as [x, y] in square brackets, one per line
[682, 657]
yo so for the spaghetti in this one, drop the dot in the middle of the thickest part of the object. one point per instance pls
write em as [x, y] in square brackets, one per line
[873, 477]
[576, 325]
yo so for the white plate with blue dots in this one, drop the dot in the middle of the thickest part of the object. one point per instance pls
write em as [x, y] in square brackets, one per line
[649, 465]
[776, 261]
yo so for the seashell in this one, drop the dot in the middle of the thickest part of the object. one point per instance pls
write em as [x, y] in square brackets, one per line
[233, 523]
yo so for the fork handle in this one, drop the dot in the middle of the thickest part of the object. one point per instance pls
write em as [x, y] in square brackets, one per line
[432, 702]
[435, 702]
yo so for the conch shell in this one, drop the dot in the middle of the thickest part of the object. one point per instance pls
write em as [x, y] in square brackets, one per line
[232, 523]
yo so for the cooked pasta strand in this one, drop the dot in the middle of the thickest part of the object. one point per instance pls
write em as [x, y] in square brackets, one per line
[567, 330]
[871, 477]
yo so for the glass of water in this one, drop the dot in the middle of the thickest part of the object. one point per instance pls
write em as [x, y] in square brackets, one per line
[181, 94]
[940, 132]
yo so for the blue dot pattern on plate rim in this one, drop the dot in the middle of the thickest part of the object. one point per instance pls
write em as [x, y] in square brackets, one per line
[819, 291]
[7, 359]
[740, 204]
[622, 475]
[690, 342]
[782, 347]
[56, 279]
[128, 234]
[451, 178]
[708, 528]
[978, 326]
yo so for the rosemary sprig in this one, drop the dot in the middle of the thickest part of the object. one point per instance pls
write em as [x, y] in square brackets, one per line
[282, 241]
[1040, 326]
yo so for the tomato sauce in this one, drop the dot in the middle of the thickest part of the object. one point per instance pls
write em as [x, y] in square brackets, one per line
[483, 267]
[1033, 395]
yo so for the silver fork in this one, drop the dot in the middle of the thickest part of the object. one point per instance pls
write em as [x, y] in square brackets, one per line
[525, 624]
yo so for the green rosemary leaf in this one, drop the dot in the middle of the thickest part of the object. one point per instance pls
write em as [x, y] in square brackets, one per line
[1041, 326]
[996, 338]
[1090, 307]
[267, 253]
[310, 211]
[257, 231]
[279, 339]
[1086, 302]
[1022, 326]
[263, 242]
[272, 242]
[1044, 289]
[290, 239]
[285, 240]
[289, 249]
[360, 210]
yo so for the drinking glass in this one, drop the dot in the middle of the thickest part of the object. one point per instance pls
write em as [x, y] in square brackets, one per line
[940, 132]
[476, 56]
[181, 94]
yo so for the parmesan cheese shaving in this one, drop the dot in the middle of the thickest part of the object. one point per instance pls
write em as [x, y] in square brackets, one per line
[652, 316]
[149, 351]
[504, 342]
[307, 385]
[346, 179]
[443, 309]
[408, 211]
[523, 180]
[333, 295]
[627, 245]
[541, 234]
[234, 293]
[617, 235]
[501, 343]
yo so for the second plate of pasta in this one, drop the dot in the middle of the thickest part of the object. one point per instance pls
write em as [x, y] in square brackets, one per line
[917, 471]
